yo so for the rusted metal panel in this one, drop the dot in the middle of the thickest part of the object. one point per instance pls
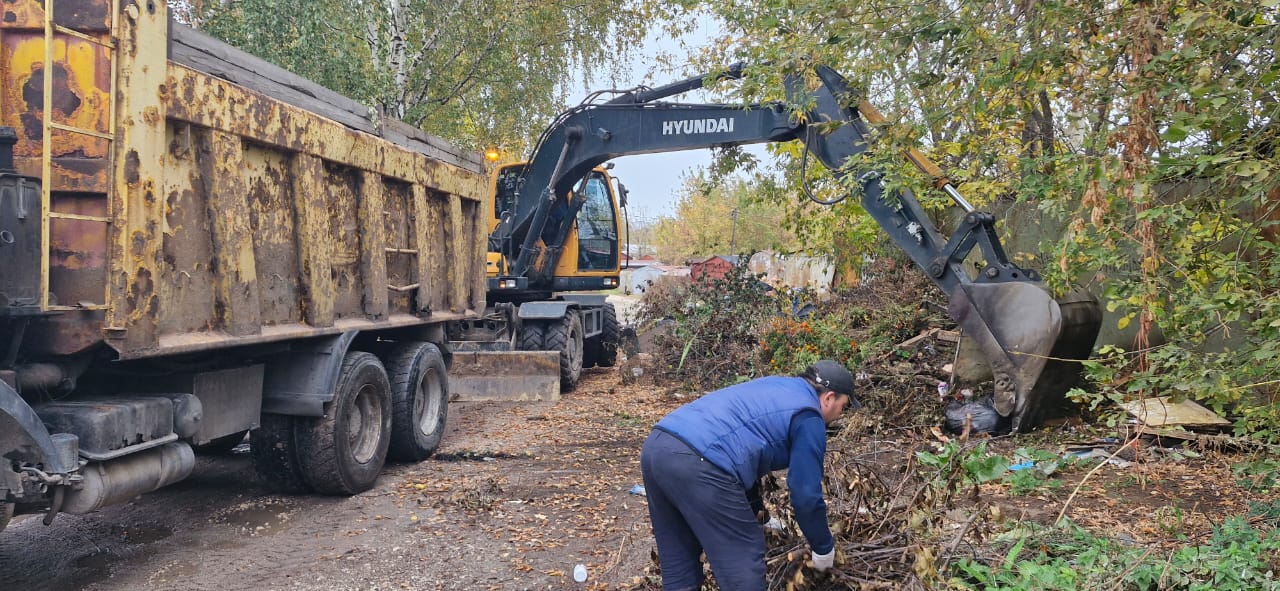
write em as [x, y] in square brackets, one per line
[210, 102]
[80, 81]
[81, 85]
[78, 251]
[315, 243]
[402, 257]
[433, 256]
[81, 15]
[426, 262]
[457, 278]
[801, 272]
[342, 200]
[233, 265]
[185, 285]
[235, 219]
[478, 219]
[373, 245]
[134, 304]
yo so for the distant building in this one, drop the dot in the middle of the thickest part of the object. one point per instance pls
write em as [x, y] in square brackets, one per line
[637, 279]
[712, 268]
[640, 251]
[640, 261]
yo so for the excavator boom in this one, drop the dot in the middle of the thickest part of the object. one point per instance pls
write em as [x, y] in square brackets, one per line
[1016, 323]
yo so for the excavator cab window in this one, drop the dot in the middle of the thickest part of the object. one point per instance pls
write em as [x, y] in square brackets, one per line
[597, 227]
[506, 185]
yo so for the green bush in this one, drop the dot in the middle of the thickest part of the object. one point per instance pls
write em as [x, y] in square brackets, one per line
[841, 327]
[791, 344]
[706, 331]
[1236, 557]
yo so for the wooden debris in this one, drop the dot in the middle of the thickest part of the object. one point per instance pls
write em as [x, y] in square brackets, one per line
[913, 341]
[1162, 412]
[950, 336]
[1211, 441]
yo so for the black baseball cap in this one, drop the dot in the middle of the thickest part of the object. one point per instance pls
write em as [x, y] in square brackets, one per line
[834, 377]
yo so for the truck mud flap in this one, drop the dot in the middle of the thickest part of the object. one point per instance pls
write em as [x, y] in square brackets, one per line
[504, 375]
[24, 438]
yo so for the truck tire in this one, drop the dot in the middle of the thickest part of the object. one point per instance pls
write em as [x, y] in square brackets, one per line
[565, 335]
[343, 452]
[275, 456]
[419, 400]
[222, 445]
[6, 513]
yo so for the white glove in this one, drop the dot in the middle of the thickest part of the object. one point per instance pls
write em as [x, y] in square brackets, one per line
[774, 524]
[822, 562]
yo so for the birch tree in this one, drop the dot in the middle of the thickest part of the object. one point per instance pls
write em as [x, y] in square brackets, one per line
[477, 71]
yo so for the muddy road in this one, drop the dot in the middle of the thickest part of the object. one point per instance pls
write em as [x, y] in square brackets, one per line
[518, 495]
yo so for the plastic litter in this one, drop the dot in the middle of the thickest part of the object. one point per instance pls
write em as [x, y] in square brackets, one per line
[580, 573]
[1022, 466]
[637, 489]
[980, 414]
[1097, 453]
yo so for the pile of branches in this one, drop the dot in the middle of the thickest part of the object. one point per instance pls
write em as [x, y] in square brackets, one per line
[898, 524]
[708, 334]
[705, 333]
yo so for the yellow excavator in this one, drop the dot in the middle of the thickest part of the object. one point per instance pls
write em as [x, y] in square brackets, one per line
[555, 231]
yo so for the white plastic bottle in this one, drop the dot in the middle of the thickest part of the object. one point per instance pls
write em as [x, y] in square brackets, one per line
[580, 573]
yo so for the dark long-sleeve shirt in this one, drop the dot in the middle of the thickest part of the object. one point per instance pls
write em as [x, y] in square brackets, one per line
[804, 479]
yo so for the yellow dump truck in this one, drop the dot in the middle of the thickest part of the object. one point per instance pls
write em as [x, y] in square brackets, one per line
[195, 244]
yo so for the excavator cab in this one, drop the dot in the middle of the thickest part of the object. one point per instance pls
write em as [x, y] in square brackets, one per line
[586, 252]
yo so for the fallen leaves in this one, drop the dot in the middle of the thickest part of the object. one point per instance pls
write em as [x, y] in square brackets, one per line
[547, 490]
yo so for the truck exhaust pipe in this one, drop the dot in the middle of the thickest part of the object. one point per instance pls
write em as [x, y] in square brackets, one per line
[116, 481]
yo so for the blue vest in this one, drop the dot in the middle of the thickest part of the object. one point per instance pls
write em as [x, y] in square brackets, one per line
[744, 429]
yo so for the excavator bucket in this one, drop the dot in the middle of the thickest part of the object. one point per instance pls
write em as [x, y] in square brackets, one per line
[1030, 340]
[504, 375]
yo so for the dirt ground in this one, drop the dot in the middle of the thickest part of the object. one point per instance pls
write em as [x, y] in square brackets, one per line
[518, 495]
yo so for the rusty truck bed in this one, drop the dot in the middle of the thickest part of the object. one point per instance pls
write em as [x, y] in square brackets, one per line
[185, 212]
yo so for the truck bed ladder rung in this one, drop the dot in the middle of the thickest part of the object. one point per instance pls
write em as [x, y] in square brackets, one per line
[86, 307]
[78, 216]
[81, 131]
[84, 37]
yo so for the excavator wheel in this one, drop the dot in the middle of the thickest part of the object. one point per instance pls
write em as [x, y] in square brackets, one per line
[565, 335]
[602, 349]
[530, 337]
[609, 338]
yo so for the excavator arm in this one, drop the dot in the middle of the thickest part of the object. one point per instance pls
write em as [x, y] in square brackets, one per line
[1017, 325]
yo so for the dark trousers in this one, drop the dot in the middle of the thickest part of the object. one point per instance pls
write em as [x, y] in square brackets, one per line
[696, 507]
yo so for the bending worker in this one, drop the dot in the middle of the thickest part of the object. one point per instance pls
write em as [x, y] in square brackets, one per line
[702, 466]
